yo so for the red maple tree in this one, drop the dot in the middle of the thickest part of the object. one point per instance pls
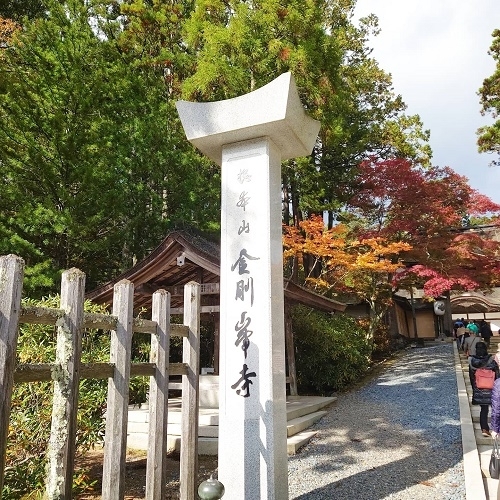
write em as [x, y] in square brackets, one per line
[406, 226]
[431, 209]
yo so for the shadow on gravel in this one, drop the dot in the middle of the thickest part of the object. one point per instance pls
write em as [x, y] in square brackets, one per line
[381, 482]
[400, 430]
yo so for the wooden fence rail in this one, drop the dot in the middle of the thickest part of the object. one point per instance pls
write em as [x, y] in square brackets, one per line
[67, 371]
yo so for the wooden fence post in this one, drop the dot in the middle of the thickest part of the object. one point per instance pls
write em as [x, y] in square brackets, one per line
[11, 284]
[156, 471]
[115, 438]
[66, 376]
[190, 389]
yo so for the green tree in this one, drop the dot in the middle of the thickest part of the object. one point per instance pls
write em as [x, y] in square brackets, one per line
[93, 170]
[29, 426]
[241, 46]
[19, 9]
[328, 359]
[62, 189]
[489, 136]
[95, 165]
[152, 37]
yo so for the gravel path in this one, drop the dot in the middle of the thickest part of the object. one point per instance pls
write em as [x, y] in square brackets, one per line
[398, 437]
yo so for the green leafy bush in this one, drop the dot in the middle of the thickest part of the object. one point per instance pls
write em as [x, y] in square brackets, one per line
[331, 351]
[29, 426]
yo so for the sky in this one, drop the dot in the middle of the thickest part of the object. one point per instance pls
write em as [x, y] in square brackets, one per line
[437, 54]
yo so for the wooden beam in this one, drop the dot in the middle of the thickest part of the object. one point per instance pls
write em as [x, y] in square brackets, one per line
[49, 316]
[178, 290]
[203, 310]
[42, 372]
[290, 352]
[190, 393]
[113, 472]
[11, 276]
[156, 469]
[62, 443]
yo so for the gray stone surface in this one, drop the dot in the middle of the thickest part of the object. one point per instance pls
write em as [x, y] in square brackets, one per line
[249, 136]
[273, 111]
[252, 419]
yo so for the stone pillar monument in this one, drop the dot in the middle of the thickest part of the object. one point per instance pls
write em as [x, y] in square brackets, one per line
[249, 136]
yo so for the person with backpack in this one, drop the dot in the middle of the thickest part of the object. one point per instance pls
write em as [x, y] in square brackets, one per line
[483, 371]
[469, 345]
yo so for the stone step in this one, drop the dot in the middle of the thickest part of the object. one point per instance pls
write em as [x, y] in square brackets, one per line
[295, 442]
[484, 452]
[299, 424]
[210, 416]
[480, 439]
[483, 445]
[490, 487]
[299, 406]
[302, 412]
[475, 410]
[209, 445]
[139, 441]
[207, 416]
[207, 426]
[203, 430]
[206, 445]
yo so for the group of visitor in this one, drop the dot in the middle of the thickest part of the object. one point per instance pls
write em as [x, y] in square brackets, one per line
[484, 371]
[467, 333]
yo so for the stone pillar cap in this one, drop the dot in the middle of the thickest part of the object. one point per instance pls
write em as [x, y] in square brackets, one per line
[273, 111]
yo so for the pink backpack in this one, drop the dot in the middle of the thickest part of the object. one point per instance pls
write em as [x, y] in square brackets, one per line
[485, 378]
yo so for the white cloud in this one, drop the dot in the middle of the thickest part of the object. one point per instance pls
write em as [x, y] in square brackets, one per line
[437, 54]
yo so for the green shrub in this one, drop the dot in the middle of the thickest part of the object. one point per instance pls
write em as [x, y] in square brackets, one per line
[331, 351]
[29, 426]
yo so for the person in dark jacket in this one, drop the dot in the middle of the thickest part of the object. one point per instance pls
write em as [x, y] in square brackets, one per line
[482, 397]
[460, 334]
[486, 332]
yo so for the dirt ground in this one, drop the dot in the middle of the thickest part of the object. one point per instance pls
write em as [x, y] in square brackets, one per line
[135, 474]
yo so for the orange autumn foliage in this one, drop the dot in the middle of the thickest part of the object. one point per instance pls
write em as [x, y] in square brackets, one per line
[338, 254]
[342, 263]
[8, 28]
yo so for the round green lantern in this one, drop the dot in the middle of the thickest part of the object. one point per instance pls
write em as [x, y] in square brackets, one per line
[211, 489]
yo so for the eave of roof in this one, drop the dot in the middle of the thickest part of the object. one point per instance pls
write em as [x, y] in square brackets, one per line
[299, 294]
[474, 302]
[203, 254]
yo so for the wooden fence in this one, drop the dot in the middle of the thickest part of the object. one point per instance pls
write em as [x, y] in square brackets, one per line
[66, 372]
